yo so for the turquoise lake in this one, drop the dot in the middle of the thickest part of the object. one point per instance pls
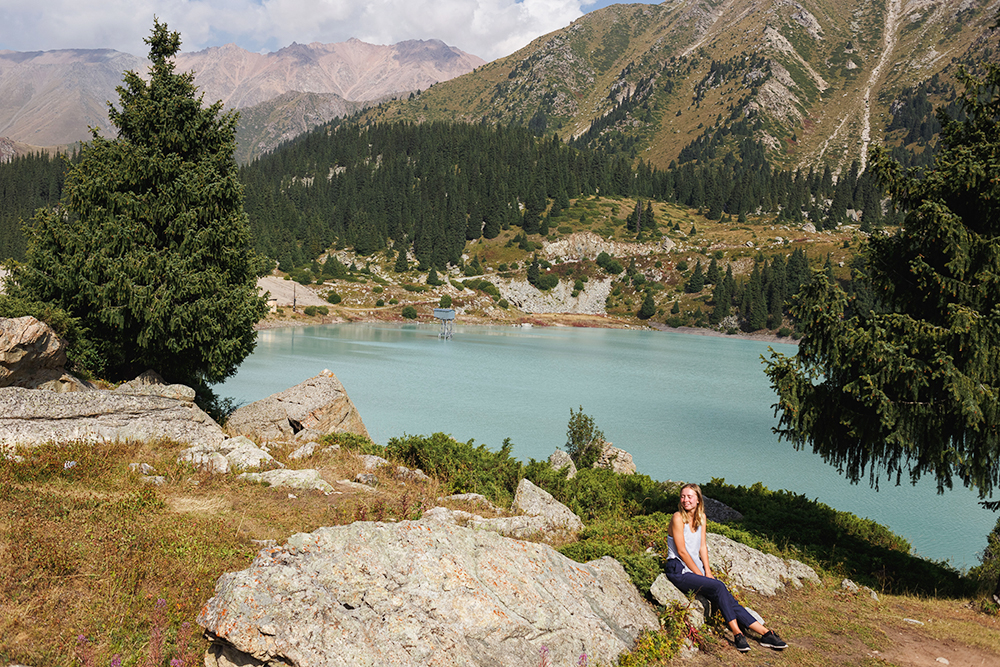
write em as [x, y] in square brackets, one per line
[687, 407]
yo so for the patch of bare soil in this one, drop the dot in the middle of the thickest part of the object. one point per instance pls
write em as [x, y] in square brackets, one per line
[912, 648]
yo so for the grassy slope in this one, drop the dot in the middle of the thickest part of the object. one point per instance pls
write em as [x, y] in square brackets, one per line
[89, 549]
[578, 74]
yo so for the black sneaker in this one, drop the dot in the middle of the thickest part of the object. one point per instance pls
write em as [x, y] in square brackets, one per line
[740, 642]
[772, 640]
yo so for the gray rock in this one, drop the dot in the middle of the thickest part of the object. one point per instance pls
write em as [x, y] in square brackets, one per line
[415, 475]
[537, 502]
[372, 462]
[309, 435]
[142, 468]
[307, 479]
[319, 404]
[720, 512]
[205, 459]
[28, 346]
[243, 454]
[34, 416]
[560, 459]
[749, 568]
[544, 517]
[311, 448]
[155, 480]
[412, 593]
[366, 478]
[615, 459]
[151, 384]
[239, 453]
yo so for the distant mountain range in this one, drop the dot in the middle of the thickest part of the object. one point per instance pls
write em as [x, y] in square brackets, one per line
[50, 98]
[807, 81]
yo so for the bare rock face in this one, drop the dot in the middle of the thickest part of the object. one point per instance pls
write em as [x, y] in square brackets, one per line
[617, 460]
[419, 594]
[34, 416]
[749, 568]
[559, 460]
[541, 517]
[319, 404]
[720, 512]
[28, 347]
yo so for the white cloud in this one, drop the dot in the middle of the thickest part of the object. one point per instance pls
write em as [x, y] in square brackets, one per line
[487, 28]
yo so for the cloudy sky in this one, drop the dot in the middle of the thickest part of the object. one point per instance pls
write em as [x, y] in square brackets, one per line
[486, 28]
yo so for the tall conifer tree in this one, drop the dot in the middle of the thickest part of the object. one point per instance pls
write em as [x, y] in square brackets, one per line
[150, 247]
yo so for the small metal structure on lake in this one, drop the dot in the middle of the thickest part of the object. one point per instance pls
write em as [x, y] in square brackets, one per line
[447, 317]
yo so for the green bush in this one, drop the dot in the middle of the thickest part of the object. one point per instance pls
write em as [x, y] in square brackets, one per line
[409, 312]
[377, 290]
[445, 301]
[609, 264]
[410, 287]
[583, 439]
[313, 311]
[462, 467]
[333, 297]
[379, 303]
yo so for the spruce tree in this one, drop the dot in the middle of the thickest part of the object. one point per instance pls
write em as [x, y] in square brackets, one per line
[913, 387]
[696, 282]
[648, 308]
[150, 246]
[713, 275]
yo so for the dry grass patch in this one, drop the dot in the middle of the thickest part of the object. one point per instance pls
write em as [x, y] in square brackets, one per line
[88, 548]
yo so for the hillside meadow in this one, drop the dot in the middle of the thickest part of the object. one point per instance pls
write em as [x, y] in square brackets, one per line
[100, 568]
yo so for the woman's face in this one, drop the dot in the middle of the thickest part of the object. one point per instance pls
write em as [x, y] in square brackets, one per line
[689, 499]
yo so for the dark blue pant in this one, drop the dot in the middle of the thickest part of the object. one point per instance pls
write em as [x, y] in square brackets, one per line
[713, 589]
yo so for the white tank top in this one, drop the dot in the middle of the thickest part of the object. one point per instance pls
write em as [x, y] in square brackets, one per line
[692, 543]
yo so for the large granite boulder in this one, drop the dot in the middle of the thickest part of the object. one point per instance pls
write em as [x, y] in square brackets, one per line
[412, 593]
[541, 517]
[35, 416]
[33, 356]
[749, 568]
[320, 404]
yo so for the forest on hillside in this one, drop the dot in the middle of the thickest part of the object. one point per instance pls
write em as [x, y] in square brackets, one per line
[432, 187]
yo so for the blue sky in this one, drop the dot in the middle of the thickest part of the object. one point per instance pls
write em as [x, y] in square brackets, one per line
[487, 28]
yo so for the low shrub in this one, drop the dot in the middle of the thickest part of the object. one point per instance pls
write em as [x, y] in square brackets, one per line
[409, 312]
[462, 467]
[333, 297]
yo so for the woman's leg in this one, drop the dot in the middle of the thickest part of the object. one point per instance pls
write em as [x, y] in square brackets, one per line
[713, 589]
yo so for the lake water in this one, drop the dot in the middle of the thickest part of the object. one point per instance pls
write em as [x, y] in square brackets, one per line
[687, 407]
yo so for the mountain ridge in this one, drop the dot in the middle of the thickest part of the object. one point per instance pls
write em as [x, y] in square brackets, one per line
[52, 98]
[815, 81]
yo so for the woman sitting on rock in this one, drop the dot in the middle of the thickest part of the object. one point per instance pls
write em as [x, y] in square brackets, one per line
[688, 569]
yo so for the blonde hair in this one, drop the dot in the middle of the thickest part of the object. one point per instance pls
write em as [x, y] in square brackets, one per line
[695, 517]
